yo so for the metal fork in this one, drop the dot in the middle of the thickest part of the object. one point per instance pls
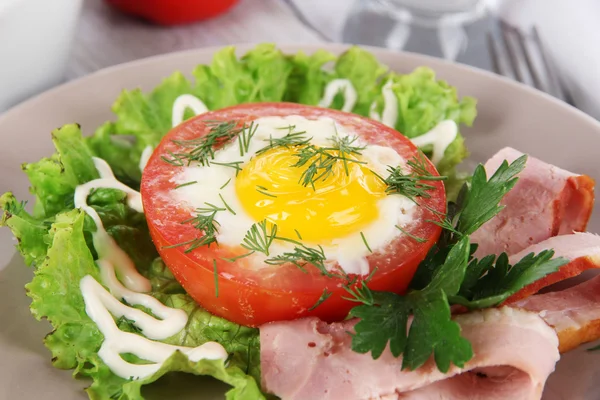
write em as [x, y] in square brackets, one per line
[528, 62]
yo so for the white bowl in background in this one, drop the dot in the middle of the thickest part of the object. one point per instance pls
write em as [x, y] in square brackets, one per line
[35, 42]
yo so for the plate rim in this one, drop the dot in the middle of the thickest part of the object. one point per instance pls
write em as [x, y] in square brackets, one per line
[333, 47]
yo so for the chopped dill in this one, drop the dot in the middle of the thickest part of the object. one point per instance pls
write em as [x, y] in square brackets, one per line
[364, 239]
[410, 235]
[324, 296]
[186, 184]
[226, 205]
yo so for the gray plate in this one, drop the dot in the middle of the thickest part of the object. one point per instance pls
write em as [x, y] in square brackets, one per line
[509, 115]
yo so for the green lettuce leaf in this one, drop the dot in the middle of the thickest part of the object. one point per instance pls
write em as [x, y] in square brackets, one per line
[243, 386]
[31, 233]
[308, 77]
[75, 340]
[55, 294]
[53, 180]
[424, 101]
[61, 248]
[121, 152]
[364, 71]
[242, 342]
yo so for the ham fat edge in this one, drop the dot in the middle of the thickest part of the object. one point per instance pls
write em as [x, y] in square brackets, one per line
[546, 201]
[515, 346]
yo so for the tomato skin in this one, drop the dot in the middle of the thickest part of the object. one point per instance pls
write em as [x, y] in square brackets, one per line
[251, 297]
[168, 12]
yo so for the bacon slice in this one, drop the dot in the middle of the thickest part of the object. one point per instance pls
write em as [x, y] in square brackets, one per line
[574, 313]
[546, 201]
[581, 249]
[515, 351]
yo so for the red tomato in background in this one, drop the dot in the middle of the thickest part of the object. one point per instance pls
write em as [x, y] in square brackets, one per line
[252, 296]
[173, 12]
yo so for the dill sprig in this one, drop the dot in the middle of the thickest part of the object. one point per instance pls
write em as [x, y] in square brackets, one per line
[232, 164]
[186, 184]
[225, 184]
[346, 148]
[234, 259]
[410, 235]
[226, 205]
[289, 140]
[319, 161]
[259, 237]
[359, 292]
[324, 296]
[205, 222]
[201, 149]
[364, 239]
[264, 190]
[245, 136]
[216, 275]
[411, 185]
[301, 256]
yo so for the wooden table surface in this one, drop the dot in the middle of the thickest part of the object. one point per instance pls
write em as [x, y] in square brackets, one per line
[105, 37]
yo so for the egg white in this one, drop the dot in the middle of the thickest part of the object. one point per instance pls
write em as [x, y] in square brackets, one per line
[349, 251]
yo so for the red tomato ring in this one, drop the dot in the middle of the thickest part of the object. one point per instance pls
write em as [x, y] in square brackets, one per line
[255, 296]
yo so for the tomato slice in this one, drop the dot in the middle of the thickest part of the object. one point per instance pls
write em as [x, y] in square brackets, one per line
[254, 296]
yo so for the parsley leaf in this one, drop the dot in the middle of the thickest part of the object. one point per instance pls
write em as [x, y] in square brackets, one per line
[488, 284]
[420, 323]
[433, 330]
[382, 322]
[477, 203]
[385, 319]
[481, 201]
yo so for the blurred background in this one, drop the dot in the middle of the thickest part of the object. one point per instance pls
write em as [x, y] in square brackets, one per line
[547, 44]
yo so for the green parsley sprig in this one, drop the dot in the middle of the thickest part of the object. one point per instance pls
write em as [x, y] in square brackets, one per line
[488, 283]
[448, 275]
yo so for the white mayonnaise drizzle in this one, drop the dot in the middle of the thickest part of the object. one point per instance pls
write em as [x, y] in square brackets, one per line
[440, 136]
[186, 101]
[103, 242]
[145, 157]
[172, 319]
[101, 306]
[335, 86]
[389, 116]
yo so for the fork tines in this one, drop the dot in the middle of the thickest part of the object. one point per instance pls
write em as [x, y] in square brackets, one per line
[521, 56]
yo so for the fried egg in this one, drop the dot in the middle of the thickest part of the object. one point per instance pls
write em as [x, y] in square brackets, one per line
[347, 212]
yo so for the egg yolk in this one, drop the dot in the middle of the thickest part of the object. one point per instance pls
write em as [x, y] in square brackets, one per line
[270, 187]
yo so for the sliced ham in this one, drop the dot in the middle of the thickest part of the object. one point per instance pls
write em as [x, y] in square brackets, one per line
[515, 351]
[574, 313]
[546, 201]
[581, 249]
